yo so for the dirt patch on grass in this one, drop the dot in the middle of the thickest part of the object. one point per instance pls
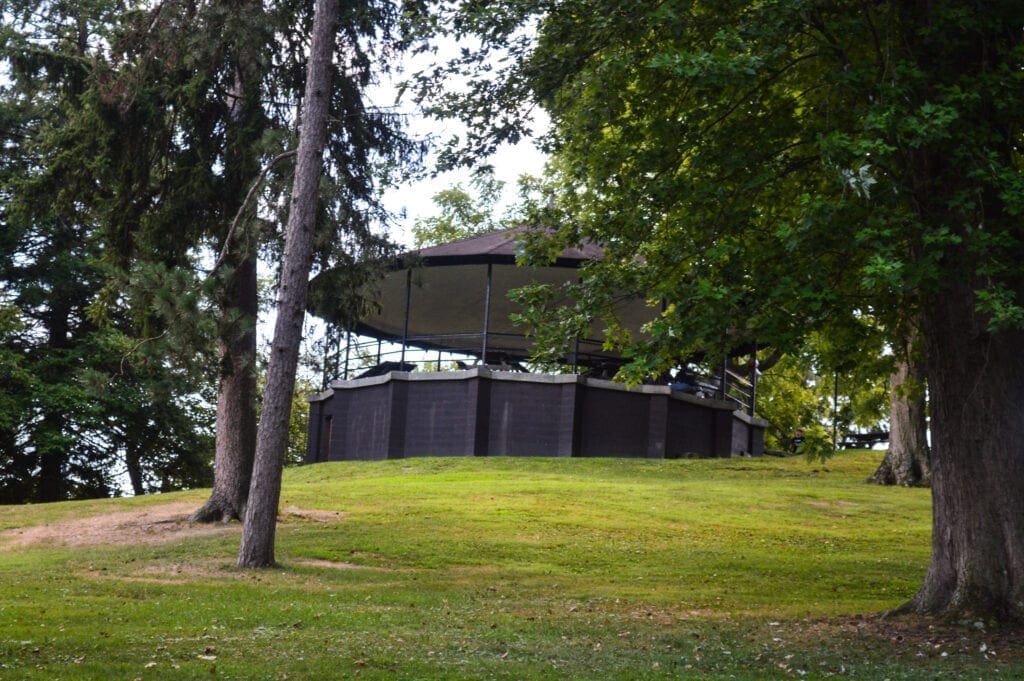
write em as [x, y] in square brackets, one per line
[294, 512]
[151, 525]
[148, 526]
[205, 569]
[910, 637]
[175, 573]
[332, 564]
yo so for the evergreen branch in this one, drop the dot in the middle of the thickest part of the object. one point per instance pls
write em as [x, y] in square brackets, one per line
[244, 206]
[39, 51]
[134, 348]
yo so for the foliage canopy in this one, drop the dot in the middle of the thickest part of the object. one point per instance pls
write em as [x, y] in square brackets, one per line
[762, 166]
[763, 170]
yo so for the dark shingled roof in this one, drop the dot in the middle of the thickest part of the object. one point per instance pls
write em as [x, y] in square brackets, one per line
[498, 247]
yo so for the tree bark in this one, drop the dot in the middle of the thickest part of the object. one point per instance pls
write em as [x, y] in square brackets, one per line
[133, 464]
[236, 400]
[235, 430]
[908, 461]
[259, 526]
[51, 485]
[976, 385]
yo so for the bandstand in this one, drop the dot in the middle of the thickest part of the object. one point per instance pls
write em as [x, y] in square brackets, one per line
[451, 300]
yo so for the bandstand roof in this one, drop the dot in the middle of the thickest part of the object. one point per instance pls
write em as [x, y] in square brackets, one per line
[442, 292]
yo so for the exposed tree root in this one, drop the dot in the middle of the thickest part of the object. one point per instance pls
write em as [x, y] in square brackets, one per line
[217, 509]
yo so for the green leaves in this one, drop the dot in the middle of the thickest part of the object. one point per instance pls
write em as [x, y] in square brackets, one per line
[463, 213]
[1002, 307]
[714, 67]
[782, 166]
[556, 316]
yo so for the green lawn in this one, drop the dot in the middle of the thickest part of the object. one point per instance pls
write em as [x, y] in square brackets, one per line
[495, 568]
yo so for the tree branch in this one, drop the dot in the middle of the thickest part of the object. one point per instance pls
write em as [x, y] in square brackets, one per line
[134, 348]
[243, 207]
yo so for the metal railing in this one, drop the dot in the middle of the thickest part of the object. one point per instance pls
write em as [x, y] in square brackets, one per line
[352, 356]
[738, 389]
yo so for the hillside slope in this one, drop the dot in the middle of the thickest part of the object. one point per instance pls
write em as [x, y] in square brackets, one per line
[493, 568]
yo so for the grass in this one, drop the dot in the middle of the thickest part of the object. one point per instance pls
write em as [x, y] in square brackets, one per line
[505, 569]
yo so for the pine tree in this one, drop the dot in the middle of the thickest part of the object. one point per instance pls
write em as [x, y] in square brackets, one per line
[75, 381]
[257, 549]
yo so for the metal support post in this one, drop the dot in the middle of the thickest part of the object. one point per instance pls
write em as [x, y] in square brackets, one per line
[487, 313]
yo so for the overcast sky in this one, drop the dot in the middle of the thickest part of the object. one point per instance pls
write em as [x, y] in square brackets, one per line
[414, 199]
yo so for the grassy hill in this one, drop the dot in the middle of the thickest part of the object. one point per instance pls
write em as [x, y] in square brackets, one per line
[495, 568]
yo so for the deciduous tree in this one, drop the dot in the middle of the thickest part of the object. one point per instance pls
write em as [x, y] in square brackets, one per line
[463, 213]
[908, 460]
[768, 169]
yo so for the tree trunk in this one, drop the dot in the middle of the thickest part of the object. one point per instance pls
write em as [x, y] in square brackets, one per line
[908, 461]
[133, 464]
[51, 485]
[235, 430]
[976, 385]
[236, 400]
[257, 548]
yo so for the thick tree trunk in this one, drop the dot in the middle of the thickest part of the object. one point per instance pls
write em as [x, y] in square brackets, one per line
[257, 548]
[908, 461]
[51, 485]
[236, 402]
[235, 430]
[976, 386]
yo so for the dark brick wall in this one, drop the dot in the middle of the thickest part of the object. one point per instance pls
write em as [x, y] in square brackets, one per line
[313, 434]
[530, 419]
[740, 436]
[757, 441]
[480, 415]
[614, 423]
[747, 438]
[441, 418]
[721, 434]
[690, 430]
[361, 427]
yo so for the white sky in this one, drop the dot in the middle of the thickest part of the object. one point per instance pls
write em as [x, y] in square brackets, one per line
[414, 199]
